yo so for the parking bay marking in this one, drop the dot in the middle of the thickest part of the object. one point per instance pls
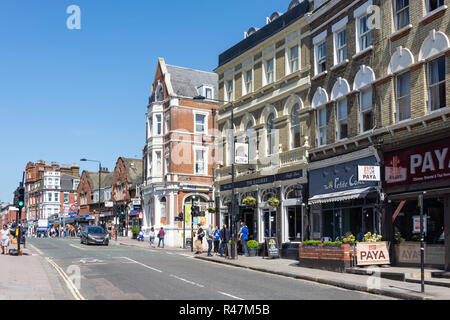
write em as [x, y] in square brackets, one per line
[144, 265]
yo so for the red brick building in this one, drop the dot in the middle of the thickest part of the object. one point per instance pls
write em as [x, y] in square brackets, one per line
[126, 177]
[179, 151]
[8, 214]
[50, 189]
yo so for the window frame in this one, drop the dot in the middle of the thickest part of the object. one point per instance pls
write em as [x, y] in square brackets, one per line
[363, 112]
[437, 84]
[321, 134]
[398, 12]
[398, 98]
[291, 61]
[248, 85]
[271, 72]
[339, 121]
[159, 124]
[323, 59]
[229, 90]
[270, 143]
[204, 151]
[205, 122]
[293, 127]
[338, 49]
[363, 35]
[428, 5]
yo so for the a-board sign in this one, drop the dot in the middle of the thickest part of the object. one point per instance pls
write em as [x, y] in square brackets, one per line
[271, 248]
[370, 253]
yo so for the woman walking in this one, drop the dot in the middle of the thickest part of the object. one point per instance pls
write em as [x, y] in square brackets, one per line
[5, 239]
[152, 237]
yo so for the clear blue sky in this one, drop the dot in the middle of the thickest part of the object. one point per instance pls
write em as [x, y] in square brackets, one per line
[68, 94]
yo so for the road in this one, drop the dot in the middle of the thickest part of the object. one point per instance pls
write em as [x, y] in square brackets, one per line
[117, 272]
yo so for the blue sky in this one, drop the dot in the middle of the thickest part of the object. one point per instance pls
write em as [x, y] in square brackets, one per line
[69, 94]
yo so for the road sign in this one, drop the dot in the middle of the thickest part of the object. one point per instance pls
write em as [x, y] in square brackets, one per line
[74, 207]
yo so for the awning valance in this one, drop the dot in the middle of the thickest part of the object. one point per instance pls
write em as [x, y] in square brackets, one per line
[340, 196]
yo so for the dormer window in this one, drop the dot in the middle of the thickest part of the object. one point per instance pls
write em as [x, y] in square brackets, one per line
[205, 91]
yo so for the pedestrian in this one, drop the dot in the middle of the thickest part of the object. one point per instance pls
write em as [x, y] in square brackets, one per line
[161, 235]
[225, 241]
[243, 236]
[152, 237]
[5, 239]
[209, 238]
[200, 235]
[216, 240]
[141, 235]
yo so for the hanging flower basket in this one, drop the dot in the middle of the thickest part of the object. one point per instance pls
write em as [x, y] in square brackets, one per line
[211, 210]
[227, 203]
[273, 202]
[249, 201]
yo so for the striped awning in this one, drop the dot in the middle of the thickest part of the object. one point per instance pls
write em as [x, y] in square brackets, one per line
[340, 196]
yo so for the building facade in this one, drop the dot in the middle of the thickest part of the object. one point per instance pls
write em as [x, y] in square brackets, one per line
[126, 177]
[179, 152]
[91, 209]
[264, 81]
[50, 189]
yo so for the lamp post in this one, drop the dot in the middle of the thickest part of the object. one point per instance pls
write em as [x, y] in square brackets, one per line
[99, 180]
[192, 224]
[233, 228]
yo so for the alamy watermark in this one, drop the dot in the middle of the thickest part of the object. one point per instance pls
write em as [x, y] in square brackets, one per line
[74, 20]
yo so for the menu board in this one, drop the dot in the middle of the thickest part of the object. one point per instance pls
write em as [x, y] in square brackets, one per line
[271, 248]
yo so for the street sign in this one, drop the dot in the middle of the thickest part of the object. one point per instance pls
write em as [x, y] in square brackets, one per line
[74, 207]
[241, 153]
[109, 204]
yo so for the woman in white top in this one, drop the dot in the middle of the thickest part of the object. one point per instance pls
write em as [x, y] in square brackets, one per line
[5, 238]
[152, 237]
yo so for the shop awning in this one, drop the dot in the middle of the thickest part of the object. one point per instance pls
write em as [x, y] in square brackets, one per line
[340, 196]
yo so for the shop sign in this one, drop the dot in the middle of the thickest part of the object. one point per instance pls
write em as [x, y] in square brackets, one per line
[271, 248]
[264, 180]
[340, 177]
[136, 202]
[408, 252]
[416, 224]
[187, 213]
[109, 204]
[418, 165]
[370, 253]
[369, 173]
[241, 153]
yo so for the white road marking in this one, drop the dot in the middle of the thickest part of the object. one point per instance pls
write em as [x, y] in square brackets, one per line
[229, 295]
[144, 265]
[73, 289]
[190, 282]
[72, 245]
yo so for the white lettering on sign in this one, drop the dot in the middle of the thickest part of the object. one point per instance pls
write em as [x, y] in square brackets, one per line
[428, 162]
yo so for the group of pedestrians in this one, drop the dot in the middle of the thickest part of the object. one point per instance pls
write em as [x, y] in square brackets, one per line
[221, 240]
[161, 234]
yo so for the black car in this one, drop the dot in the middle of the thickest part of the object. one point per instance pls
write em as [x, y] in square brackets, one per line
[94, 235]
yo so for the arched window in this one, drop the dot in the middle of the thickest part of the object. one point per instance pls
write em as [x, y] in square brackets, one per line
[270, 138]
[295, 127]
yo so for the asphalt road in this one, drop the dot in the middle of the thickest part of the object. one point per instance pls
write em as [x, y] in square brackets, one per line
[117, 272]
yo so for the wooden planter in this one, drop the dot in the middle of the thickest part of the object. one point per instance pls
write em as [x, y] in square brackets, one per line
[325, 257]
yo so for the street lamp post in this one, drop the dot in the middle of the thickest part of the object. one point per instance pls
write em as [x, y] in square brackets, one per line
[99, 181]
[233, 228]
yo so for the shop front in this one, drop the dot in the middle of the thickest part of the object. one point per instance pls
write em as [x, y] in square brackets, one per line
[422, 170]
[270, 206]
[341, 202]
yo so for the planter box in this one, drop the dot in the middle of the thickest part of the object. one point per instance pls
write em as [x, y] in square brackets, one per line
[325, 257]
[252, 252]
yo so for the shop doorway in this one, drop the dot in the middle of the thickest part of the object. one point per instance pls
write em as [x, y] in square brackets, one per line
[270, 223]
[294, 218]
[248, 216]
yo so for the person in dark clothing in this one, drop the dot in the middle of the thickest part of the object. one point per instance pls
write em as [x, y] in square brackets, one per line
[225, 237]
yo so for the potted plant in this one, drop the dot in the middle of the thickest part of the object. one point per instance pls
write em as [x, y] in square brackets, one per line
[211, 210]
[398, 238]
[252, 247]
[369, 237]
[249, 201]
[273, 202]
[227, 202]
[311, 243]
[135, 232]
[332, 244]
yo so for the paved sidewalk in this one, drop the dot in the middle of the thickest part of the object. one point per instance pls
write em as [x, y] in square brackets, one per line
[125, 241]
[30, 277]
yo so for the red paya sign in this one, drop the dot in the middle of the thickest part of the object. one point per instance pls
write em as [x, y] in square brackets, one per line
[418, 165]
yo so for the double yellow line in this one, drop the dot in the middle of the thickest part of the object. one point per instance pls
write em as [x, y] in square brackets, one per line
[73, 289]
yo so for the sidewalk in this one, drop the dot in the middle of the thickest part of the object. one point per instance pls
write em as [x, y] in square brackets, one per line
[29, 277]
[401, 283]
[126, 241]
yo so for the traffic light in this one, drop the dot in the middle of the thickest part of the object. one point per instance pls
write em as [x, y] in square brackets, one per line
[122, 210]
[195, 211]
[21, 197]
[180, 217]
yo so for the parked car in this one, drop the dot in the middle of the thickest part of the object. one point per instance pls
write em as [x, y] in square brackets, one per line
[94, 235]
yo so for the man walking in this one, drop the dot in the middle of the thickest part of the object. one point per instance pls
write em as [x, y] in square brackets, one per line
[209, 238]
[216, 240]
[161, 237]
[243, 236]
